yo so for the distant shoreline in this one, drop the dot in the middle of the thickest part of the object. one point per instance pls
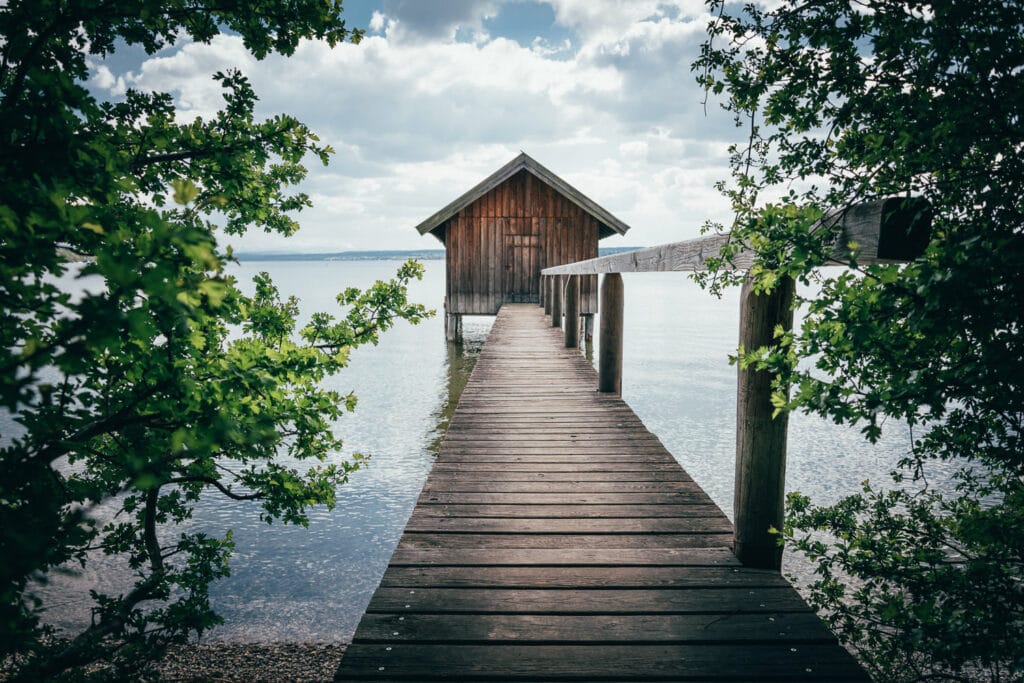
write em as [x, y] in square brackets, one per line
[381, 255]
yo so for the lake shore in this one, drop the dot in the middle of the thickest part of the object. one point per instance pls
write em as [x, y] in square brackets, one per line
[252, 662]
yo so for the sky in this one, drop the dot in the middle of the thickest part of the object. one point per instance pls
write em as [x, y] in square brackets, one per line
[441, 93]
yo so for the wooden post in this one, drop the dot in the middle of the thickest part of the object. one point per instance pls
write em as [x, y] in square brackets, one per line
[609, 355]
[556, 301]
[453, 327]
[760, 439]
[549, 292]
[572, 312]
[588, 326]
[543, 289]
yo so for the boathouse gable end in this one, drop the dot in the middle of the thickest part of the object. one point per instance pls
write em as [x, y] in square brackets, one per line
[499, 235]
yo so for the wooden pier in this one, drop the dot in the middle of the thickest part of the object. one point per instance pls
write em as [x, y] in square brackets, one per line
[556, 539]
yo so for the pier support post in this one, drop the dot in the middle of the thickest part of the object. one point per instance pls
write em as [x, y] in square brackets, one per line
[588, 326]
[453, 327]
[543, 290]
[572, 312]
[556, 301]
[760, 439]
[609, 354]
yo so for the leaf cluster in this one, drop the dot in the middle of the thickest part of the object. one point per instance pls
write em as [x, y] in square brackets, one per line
[138, 374]
[844, 102]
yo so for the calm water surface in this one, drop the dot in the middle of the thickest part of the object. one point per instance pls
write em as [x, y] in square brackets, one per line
[314, 584]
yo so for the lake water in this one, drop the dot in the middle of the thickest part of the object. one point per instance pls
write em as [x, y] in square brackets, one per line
[291, 583]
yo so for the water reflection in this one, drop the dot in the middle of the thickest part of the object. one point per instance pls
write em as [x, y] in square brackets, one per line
[459, 362]
[314, 583]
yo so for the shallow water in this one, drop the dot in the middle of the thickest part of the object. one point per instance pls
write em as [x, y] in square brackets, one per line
[291, 583]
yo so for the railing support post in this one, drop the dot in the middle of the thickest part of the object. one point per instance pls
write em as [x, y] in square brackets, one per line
[760, 439]
[572, 312]
[549, 292]
[556, 301]
[609, 355]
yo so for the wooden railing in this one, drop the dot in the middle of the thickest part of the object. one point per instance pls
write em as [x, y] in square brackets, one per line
[892, 230]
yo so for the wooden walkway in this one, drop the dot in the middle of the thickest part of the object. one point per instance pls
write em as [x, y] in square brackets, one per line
[557, 539]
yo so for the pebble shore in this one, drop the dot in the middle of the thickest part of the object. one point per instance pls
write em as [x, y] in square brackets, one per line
[252, 662]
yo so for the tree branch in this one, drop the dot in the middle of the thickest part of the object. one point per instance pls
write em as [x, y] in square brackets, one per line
[218, 485]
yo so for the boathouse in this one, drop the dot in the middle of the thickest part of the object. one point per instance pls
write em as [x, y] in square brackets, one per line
[500, 234]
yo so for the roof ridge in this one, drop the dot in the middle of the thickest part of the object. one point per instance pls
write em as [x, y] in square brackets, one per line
[524, 161]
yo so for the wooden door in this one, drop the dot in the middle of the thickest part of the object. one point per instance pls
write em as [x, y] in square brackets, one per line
[522, 268]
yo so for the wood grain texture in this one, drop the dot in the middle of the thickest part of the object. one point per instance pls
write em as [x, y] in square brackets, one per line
[609, 363]
[497, 244]
[556, 539]
[771, 662]
[759, 490]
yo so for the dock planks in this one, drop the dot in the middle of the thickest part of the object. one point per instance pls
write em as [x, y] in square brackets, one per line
[556, 539]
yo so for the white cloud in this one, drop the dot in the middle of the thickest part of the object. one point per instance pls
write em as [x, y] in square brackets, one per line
[419, 20]
[104, 79]
[418, 117]
[377, 22]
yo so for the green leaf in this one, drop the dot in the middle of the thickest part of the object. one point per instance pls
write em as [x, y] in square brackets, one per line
[185, 191]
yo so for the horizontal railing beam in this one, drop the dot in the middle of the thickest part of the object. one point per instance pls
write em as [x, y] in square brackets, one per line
[892, 230]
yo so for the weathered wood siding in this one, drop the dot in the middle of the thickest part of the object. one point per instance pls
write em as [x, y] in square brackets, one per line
[497, 246]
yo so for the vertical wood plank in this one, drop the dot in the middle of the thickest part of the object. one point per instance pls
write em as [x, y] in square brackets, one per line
[760, 439]
[516, 196]
[609, 356]
[534, 274]
[470, 254]
[590, 303]
[474, 267]
[518, 268]
[455, 244]
[495, 265]
[449, 269]
[483, 302]
[542, 240]
[479, 268]
[528, 199]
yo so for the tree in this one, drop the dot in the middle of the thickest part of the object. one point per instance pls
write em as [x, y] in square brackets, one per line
[845, 102]
[166, 382]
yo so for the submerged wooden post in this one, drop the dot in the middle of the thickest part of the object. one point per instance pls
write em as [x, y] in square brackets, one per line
[556, 301]
[588, 326]
[572, 312]
[549, 288]
[609, 355]
[760, 439]
[453, 327]
[542, 289]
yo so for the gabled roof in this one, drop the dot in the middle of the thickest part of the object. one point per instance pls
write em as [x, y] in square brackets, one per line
[610, 225]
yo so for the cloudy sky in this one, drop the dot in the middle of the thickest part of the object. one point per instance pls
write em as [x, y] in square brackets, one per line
[441, 93]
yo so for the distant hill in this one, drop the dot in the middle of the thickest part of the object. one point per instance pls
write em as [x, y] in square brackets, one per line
[383, 255]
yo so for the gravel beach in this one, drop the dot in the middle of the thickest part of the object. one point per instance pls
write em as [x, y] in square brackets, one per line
[252, 662]
[224, 662]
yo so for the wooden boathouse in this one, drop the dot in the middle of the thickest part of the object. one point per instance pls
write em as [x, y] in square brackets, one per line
[500, 234]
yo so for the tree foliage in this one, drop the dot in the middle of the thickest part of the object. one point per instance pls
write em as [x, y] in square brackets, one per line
[164, 382]
[847, 101]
